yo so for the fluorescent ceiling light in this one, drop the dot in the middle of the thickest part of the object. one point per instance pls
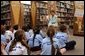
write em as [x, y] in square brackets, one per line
[26, 2]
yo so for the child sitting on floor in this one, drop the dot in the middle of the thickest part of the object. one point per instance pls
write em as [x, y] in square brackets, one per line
[63, 36]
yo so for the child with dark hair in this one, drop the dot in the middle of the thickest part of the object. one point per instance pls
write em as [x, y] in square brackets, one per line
[15, 27]
[9, 33]
[26, 32]
[3, 38]
[30, 30]
[35, 42]
[63, 36]
[43, 30]
[18, 46]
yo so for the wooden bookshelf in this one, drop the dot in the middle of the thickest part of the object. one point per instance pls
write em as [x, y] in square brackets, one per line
[27, 14]
[41, 13]
[5, 12]
[11, 13]
[65, 11]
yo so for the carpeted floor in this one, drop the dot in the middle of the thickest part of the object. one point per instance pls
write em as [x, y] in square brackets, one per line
[79, 48]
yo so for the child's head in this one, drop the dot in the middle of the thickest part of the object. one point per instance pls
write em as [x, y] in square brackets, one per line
[19, 35]
[62, 28]
[24, 28]
[15, 27]
[9, 27]
[50, 31]
[36, 31]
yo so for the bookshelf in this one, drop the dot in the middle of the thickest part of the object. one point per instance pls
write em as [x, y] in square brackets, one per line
[41, 12]
[5, 12]
[8, 13]
[27, 14]
[65, 11]
[11, 12]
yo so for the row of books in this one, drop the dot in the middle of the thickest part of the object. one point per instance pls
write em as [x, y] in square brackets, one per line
[64, 15]
[6, 16]
[5, 9]
[3, 3]
[65, 5]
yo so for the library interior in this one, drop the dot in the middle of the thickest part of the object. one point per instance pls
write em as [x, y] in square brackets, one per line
[36, 15]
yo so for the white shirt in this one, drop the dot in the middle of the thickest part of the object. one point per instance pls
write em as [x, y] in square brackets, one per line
[37, 41]
[53, 20]
[43, 33]
[62, 36]
[19, 49]
[30, 32]
[46, 45]
[3, 39]
[27, 35]
[9, 35]
[8, 46]
[14, 31]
